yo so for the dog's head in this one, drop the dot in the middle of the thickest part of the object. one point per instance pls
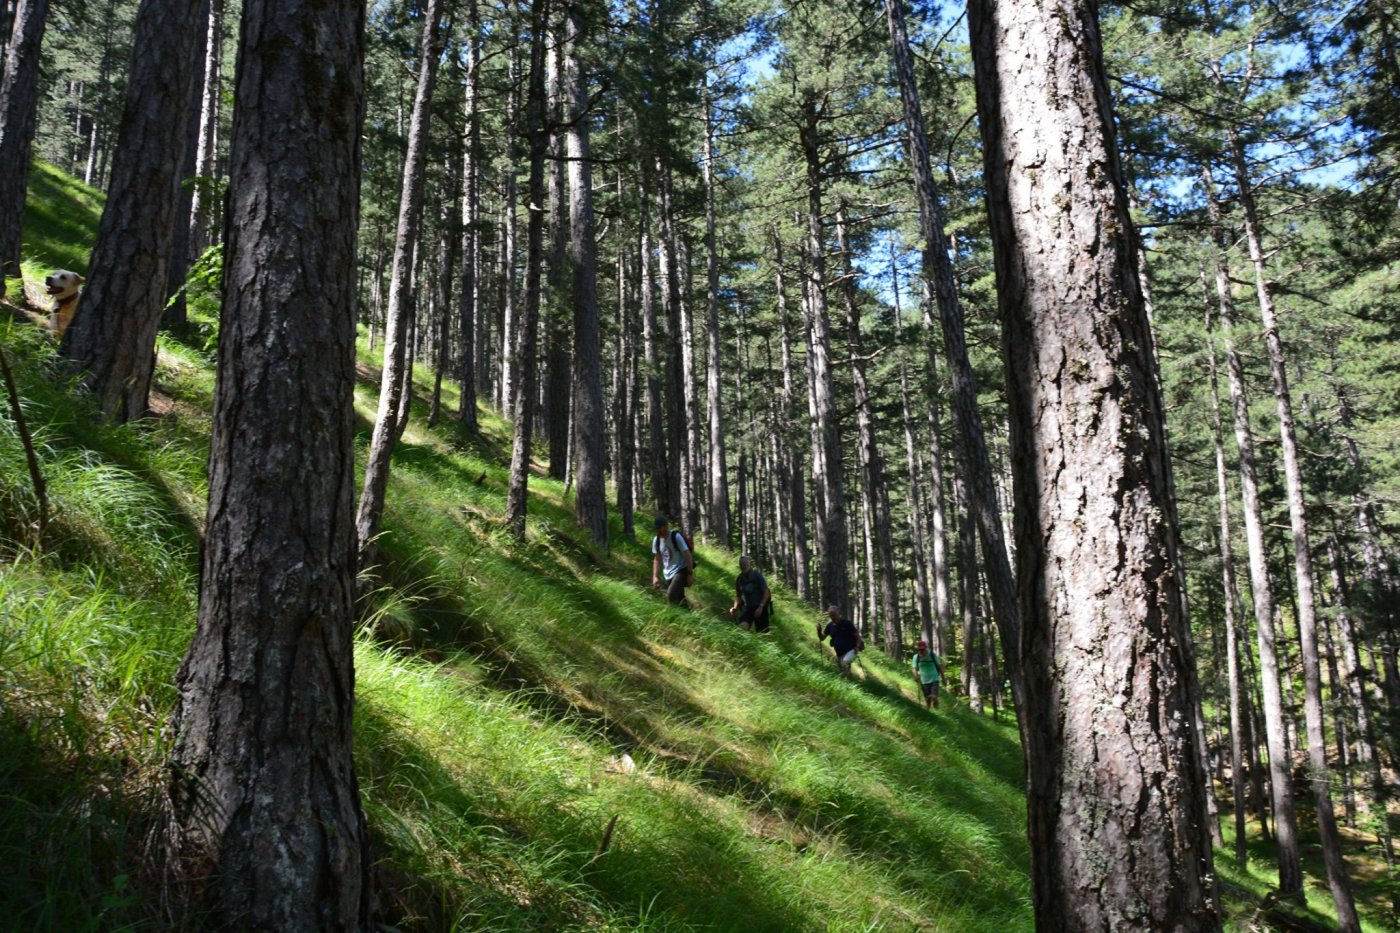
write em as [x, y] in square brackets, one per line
[63, 284]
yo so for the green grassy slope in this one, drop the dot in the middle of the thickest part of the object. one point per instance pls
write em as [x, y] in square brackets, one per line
[514, 701]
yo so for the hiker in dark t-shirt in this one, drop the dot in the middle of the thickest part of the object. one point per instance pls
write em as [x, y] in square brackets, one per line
[751, 590]
[845, 639]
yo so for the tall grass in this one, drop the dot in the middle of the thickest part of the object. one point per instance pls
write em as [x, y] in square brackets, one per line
[542, 743]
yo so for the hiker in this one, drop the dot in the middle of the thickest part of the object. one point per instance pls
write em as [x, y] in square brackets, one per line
[845, 639]
[751, 590]
[673, 559]
[928, 671]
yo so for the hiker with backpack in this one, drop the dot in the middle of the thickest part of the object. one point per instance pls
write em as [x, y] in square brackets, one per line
[845, 639]
[673, 559]
[751, 590]
[928, 671]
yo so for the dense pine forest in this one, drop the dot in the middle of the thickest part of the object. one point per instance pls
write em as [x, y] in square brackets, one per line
[1061, 337]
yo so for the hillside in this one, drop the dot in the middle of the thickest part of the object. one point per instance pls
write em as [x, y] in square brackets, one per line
[541, 742]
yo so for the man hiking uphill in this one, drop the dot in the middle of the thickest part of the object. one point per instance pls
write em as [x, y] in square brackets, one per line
[751, 590]
[928, 671]
[673, 559]
[845, 639]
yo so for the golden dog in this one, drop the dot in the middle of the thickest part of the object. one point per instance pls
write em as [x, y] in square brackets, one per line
[63, 286]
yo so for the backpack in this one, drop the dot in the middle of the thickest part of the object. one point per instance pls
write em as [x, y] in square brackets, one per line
[690, 546]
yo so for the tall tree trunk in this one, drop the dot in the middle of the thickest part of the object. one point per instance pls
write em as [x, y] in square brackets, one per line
[19, 103]
[1302, 560]
[590, 502]
[971, 441]
[441, 283]
[176, 309]
[828, 472]
[113, 340]
[797, 491]
[469, 297]
[397, 372]
[676, 502]
[1290, 869]
[559, 374]
[202, 206]
[1238, 767]
[507, 326]
[1106, 708]
[718, 510]
[261, 762]
[516, 501]
[914, 469]
[872, 464]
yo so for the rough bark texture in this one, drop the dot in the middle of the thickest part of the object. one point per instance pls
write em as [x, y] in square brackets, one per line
[469, 298]
[1116, 788]
[971, 441]
[1305, 604]
[717, 513]
[1290, 871]
[19, 100]
[113, 338]
[828, 471]
[797, 491]
[516, 494]
[590, 501]
[1238, 767]
[872, 464]
[397, 368]
[263, 783]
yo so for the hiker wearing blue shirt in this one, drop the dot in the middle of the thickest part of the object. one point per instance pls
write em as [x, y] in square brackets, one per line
[928, 671]
[845, 639]
[671, 558]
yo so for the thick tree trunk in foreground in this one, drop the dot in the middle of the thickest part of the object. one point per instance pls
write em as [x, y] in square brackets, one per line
[1290, 870]
[971, 442]
[395, 375]
[113, 338]
[1116, 788]
[590, 501]
[19, 101]
[263, 783]
[525, 385]
[1306, 611]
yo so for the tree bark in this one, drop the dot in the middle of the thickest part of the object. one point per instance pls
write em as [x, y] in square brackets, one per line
[469, 297]
[202, 202]
[797, 484]
[872, 464]
[516, 495]
[1285, 818]
[1302, 559]
[19, 103]
[971, 440]
[557, 308]
[1238, 766]
[590, 501]
[1116, 786]
[113, 340]
[397, 372]
[718, 511]
[263, 783]
[914, 469]
[828, 472]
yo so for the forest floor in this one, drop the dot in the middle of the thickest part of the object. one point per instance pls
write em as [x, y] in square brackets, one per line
[518, 702]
